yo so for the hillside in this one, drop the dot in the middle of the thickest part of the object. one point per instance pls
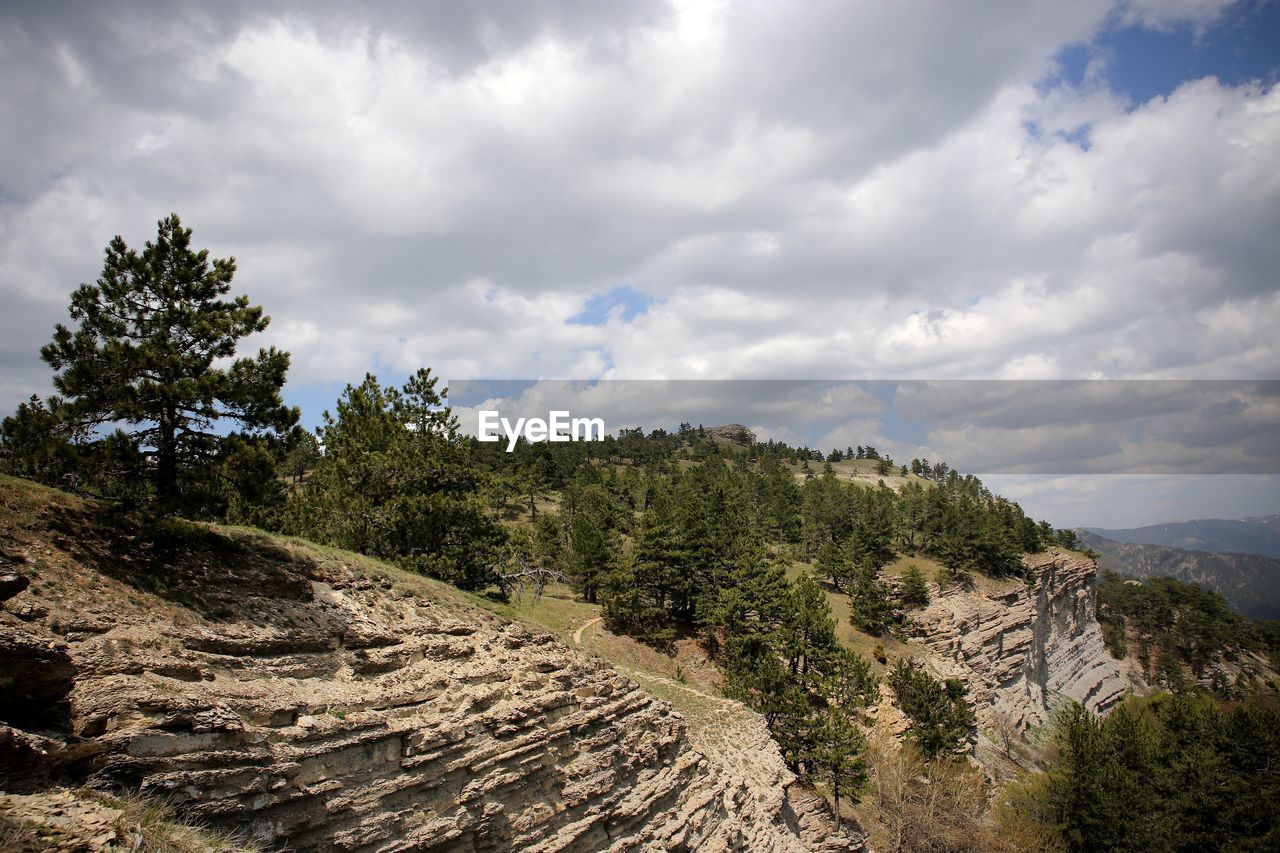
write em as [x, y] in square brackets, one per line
[307, 696]
[1260, 535]
[1184, 637]
[285, 692]
[1249, 582]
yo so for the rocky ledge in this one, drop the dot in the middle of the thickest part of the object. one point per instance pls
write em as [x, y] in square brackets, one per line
[1020, 646]
[315, 700]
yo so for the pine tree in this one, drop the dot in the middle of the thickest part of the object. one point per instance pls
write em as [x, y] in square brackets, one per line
[870, 605]
[38, 442]
[848, 679]
[914, 591]
[807, 638]
[941, 720]
[396, 481]
[303, 456]
[593, 542]
[870, 540]
[836, 751]
[148, 335]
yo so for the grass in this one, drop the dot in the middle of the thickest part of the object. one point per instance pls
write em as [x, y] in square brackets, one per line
[680, 674]
[861, 471]
[19, 835]
[557, 609]
[161, 831]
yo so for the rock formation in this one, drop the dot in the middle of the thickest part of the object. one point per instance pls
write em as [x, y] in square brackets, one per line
[736, 433]
[315, 700]
[1020, 645]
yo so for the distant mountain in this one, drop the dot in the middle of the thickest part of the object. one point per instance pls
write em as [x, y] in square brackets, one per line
[1216, 535]
[1249, 582]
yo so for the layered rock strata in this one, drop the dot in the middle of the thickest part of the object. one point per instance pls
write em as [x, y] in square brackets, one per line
[1022, 645]
[313, 701]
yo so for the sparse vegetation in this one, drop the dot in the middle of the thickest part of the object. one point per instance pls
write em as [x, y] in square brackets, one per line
[85, 819]
[1177, 626]
[916, 805]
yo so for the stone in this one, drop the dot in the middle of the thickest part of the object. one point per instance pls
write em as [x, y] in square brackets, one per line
[306, 718]
[1021, 646]
[12, 583]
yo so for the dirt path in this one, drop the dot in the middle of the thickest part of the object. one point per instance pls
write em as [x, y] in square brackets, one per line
[577, 635]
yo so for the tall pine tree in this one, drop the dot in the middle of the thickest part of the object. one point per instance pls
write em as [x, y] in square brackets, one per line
[144, 353]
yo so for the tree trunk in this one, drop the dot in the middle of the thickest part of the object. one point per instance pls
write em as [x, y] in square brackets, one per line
[167, 460]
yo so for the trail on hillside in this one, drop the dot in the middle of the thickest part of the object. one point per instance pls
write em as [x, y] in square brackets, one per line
[577, 635]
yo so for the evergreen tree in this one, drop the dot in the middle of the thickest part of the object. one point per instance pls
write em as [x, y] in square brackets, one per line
[593, 541]
[848, 679]
[807, 639]
[870, 604]
[397, 482]
[941, 720]
[870, 540]
[147, 338]
[836, 751]
[833, 565]
[642, 591]
[914, 590]
[38, 442]
[303, 456]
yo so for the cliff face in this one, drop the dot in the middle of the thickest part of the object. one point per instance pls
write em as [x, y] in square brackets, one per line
[1018, 646]
[322, 702]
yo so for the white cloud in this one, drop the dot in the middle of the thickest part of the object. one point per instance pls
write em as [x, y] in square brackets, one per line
[1163, 14]
[808, 190]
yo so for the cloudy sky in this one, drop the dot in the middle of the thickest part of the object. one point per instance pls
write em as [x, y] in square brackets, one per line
[580, 189]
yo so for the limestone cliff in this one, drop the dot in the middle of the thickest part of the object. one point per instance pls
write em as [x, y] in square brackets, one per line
[314, 700]
[1019, 645]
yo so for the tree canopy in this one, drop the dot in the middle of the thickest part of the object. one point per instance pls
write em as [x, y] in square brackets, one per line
[152, 351]
[396, 481]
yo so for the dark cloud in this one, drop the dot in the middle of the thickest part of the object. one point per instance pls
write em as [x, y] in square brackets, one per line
[1103, 427]
[818, 189]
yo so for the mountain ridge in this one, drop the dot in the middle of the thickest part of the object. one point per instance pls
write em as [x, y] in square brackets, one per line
[1251, 535]
[1249, 582]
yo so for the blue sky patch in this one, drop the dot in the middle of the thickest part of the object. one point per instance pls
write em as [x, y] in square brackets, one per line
[595, 311]
[1142, 63]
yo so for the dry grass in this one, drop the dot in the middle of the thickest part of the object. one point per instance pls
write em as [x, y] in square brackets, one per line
[863, 472]
[19, 835]
[84, 819]
[918, 806]
[151, 825]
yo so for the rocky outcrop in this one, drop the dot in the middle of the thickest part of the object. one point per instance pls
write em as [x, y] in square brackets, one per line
[736, 433]
[312, 700]
[1018, 646]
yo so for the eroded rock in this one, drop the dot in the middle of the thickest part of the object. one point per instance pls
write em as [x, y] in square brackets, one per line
[1021, 647]
[348, 715]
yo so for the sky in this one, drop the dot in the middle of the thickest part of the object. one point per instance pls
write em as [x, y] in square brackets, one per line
[693, 190]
